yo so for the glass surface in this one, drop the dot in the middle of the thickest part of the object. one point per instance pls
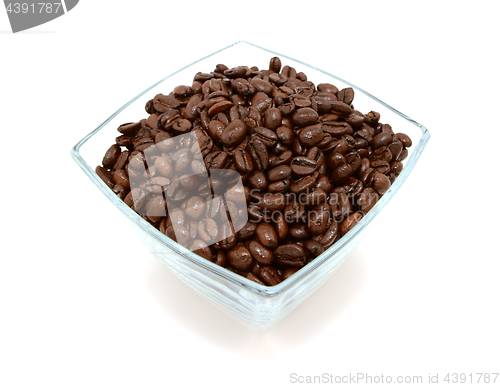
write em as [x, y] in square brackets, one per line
[258, 305]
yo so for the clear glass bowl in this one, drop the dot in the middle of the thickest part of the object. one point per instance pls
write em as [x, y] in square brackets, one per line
[258, 305]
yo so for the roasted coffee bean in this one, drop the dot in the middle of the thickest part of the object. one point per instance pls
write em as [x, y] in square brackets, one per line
[294, 212]
[318, 219]
[311, 135]
[258, 153]
[298, 231]
[199, 247]
[302, 185]
[303, 166]
[290, 254]
[105, 176]
[258, 171]
[285, 134]
[304, 117]
[341, 108]
[367, 199]
[346, 95]
[273, 202]
[287, 273]
[279, 186]
[405, 139]
[281, 172]
[129, 128]
[240, 258]
[111, 156]
[270, 276]
[267, 235]
[381, 183]
[267, 136]
[260, 253]
[258, 180]
[120, 177]
[135, 199]
[313, 247]
[281, 225]
[381, 139]
[208, 230]
[275, 64]
[234, 133]
[350, 222]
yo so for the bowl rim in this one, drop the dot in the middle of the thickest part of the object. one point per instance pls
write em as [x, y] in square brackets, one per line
[236, 279]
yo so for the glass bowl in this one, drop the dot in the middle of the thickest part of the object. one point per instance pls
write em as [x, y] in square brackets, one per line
[259, 305]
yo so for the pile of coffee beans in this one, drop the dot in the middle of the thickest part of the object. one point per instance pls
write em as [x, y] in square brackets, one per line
[258, 171]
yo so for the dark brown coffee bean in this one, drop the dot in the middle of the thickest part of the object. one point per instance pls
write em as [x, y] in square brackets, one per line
[405, 139]
[242, 161]
[294, 212]
[367, 199]
[327, 88]
[275, 64]
[135, 199]
[208, 230]
[258, 153]
[260, 253]
[270, 276]
[247, 232]
[311, 135]
[111, 156]
[281, 225]
[381, 183]
[283, 159]
[234, 133]
[200, 247]
[303, 166]
[281, 172]
[156, 208]
[254, 278]
[258, 180]
[318, 219]
[350, 222]
[298, 231]
[381, 139]
[341, 108]
[346, 95]
[303, 184]
[279, 186]
[304, 117]
[105, 176]
[288, 273]
[267, 136]
[129, 128]
[290, 254]
[313, 247]
[285, 134]
[120, 177]
[272, 202]
[272, 118]
[267, 235]
[240, 258]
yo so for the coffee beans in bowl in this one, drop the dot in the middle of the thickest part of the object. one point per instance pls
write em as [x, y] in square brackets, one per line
[256, 170]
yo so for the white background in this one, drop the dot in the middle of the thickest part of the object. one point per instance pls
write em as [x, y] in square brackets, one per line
[82, 302]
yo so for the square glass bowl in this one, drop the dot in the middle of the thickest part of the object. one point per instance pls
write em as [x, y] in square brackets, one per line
[260, 306]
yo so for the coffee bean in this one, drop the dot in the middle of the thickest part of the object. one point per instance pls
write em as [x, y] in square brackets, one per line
[270, 276]
[350, 222]
[311, 135]
[260, 253]
[281, 172]
[267, 235]
[240, 258]
[290, 254]
[234, 133]
[303, 166]
[304, 117]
